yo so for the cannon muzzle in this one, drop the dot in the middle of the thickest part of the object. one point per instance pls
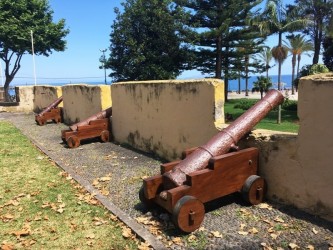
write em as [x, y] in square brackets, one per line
[100, 115]
[222, 142]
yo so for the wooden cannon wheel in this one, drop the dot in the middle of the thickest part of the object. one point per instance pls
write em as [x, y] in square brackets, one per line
[188, 213]
[73, 141]
[40, 121]
[57, 120]
[148, 203]
[254, 189]
[105, 136]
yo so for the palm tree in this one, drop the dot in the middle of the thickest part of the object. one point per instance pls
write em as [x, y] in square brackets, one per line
[263, 84]
[266, 56]
[297, 45]
[276, 20]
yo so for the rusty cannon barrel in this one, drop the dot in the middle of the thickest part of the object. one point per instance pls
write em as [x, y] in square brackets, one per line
[222, 142]
[51, 106]
[100, 115]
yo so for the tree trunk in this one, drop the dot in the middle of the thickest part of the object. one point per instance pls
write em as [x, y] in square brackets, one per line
[293, 62]
[218, 69]
[317, 41]
[239, 83]
[279, 80]
[6, 88]
[246, 75]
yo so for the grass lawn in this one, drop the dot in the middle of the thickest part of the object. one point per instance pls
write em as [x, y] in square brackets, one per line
[42, 207]
[289, 118]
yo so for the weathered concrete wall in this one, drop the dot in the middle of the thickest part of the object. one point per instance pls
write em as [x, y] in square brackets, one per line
[298, 169]
[166, 117]
[81, 101]
[45, 95]
[26, 103]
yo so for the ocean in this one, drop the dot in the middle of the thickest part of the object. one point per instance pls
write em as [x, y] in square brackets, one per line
[285, 80]
[233, 84]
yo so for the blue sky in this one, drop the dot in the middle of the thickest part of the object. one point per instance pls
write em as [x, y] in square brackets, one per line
[90, 26]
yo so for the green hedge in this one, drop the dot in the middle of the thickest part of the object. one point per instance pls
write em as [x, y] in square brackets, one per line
[245, 104]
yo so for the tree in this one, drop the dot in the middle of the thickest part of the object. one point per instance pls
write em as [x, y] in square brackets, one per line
[319, 12]
[221, 27]
[266, 57]
[18, 18]
[328, 52]
[297, 46]
[263, 84]
[276, 20]
[146, 42]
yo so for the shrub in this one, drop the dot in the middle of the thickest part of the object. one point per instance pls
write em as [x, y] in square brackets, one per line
[245, 104]
[289, 105]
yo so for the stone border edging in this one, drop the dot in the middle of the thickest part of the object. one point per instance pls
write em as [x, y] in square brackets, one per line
[136, 227]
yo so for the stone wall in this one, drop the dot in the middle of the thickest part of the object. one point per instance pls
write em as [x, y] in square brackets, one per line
[26, 100]
[81, 101]
[45, 95]
[166, 117]
[298, 169]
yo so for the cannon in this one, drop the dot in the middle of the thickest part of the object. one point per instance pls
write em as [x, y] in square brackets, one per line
[211, 171]
[51, 112]
[94, 126]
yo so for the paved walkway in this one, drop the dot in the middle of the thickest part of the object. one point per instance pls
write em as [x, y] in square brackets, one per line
[229, 223]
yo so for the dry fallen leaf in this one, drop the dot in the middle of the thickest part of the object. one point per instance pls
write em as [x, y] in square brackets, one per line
[105, 178]
[310, 247]
[105, 192]
[59, 198]
[23, 232]
[253, 231]
[242, 226]
[266, 246]
[265, 206]
[144, 246]
[278, 219]
[268, 222]
[177, 241]
[90, 243]
[216, 234]
[143, 220]
[127, 232]
[90, 236]
[192, 238]
[243, 233]
[293, 246]
[7, 246]
[7, 217]
[95, 182]
[274, 236]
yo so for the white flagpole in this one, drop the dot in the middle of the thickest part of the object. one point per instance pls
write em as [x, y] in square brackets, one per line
[1, 73]
[33, 56]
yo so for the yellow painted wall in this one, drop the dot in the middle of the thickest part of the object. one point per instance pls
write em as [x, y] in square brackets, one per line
[26, 103]
[81, 101]
[298, 168]
[45, 95]
[166, 117]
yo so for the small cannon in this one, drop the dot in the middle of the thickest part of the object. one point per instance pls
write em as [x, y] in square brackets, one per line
[51, 112]
[97, 125]
[211, 171]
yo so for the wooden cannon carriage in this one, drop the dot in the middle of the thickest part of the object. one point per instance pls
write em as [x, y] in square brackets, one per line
[51, 112]
[97, 125]
[210, 172]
